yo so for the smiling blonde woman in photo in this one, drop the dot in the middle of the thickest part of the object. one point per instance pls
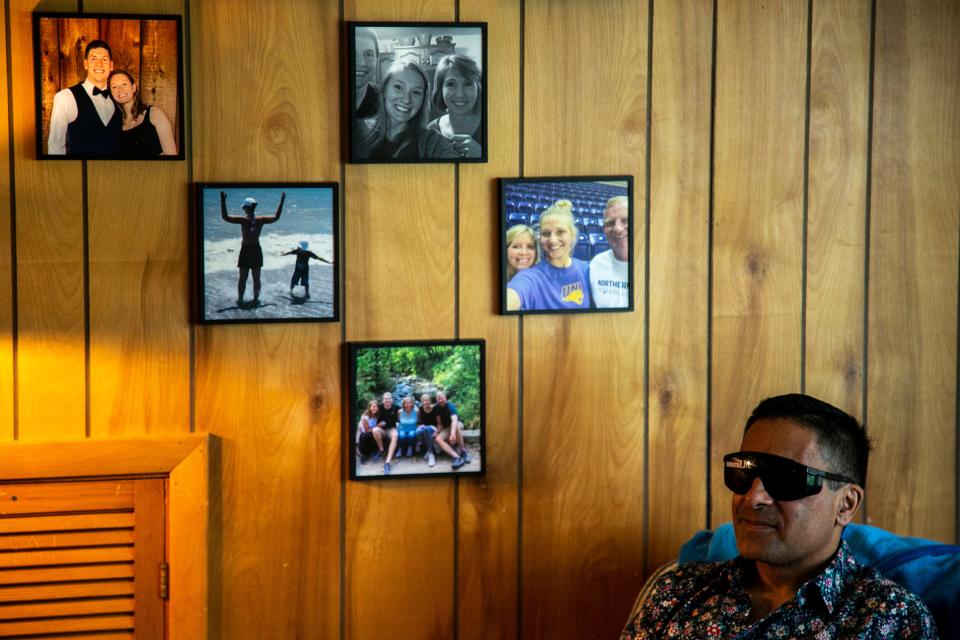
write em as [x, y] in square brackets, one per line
[398, 131]
[521, 249]
[559, 281]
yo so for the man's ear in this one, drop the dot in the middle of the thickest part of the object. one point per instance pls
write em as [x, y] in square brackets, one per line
[849, 499]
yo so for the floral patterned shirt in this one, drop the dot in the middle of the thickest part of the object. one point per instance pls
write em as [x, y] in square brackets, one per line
[847, 600]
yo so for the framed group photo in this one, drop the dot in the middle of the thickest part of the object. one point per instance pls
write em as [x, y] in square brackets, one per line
[417, 92]
[416, 409]
[108, 86]
[267, 252]
[566, 244]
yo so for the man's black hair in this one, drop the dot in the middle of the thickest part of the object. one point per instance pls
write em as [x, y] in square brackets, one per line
[97, 44]
[843, 442]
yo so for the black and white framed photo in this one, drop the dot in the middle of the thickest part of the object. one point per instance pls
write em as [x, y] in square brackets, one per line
[108, 86]
[267, 252]
[417, 92]
[416, 409]
[566, 244]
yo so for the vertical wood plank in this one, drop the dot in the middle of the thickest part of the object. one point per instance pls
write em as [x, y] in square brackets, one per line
[149, 517]
[50, 313]
[49, 70]
[265, 108]
[583, 387]
[6, 258]
[837, 183]
[402, 290]
[158, 69]
[679, 280]
[124, 36]
[191, 487]
[487, 576]
[912, 347]
[758, 216]
[139, 315]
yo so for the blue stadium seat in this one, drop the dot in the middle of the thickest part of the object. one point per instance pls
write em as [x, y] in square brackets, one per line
[516, 218]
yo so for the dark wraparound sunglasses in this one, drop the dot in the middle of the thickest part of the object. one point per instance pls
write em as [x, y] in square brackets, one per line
[783, 479]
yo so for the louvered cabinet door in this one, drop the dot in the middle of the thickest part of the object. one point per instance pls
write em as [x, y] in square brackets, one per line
[82, 560]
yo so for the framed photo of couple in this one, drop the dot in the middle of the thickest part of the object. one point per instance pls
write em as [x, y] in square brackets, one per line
[416, 409]
[267, 252]
[417, 92]
[108, 86]
[566, 244]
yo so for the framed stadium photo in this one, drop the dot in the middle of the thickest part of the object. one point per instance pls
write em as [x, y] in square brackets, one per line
[566, 244]
[416, 409]
[266, 252]
[108, 86]
[417, 92]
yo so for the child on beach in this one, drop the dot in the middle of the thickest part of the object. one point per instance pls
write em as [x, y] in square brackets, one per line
[301, 270]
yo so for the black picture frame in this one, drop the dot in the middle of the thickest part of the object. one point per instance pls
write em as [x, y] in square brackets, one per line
[149, 47]
[414, 368]
[423, 45]
[288, 292]
[595, 279]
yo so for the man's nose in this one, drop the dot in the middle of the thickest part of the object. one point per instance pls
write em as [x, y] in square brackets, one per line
[757, 494]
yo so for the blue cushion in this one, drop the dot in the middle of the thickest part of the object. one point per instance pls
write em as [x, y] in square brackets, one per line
[929, 569]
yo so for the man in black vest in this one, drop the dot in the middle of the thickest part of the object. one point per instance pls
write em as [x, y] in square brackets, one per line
[84, 121]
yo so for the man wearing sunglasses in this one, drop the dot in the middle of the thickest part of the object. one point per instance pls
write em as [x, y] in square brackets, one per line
[797, 480]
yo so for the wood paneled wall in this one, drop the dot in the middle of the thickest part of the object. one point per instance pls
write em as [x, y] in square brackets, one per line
[797, 199]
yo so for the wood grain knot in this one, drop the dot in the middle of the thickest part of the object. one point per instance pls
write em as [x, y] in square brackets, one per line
[851, 372]
[280, 130]
[756, 265]
[316, 403]
[665, 397]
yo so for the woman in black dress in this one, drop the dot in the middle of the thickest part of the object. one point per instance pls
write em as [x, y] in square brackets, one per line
[147, 132]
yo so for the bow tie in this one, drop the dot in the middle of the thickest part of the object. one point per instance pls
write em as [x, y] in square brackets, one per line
[97, 91]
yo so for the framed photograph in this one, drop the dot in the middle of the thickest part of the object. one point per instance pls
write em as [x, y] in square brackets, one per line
[267, 252]
[108, 86]
[566, 244]
[417, 91]
[416, 409]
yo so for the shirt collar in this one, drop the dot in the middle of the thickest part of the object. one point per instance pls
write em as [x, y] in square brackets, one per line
[88, 87]
[830, 583]
[827, 586]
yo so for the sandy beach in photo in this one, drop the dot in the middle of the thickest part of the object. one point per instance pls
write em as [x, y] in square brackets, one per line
[276, 303]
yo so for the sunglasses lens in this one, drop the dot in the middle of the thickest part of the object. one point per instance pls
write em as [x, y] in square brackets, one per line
[739, 472]
[738, 480]
[784, 485]
[783, 479]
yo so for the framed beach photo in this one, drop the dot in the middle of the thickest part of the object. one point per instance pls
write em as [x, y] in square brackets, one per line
[267, 252]
[566, 244]
[416, 409]
[108, 86]
[417, 92]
